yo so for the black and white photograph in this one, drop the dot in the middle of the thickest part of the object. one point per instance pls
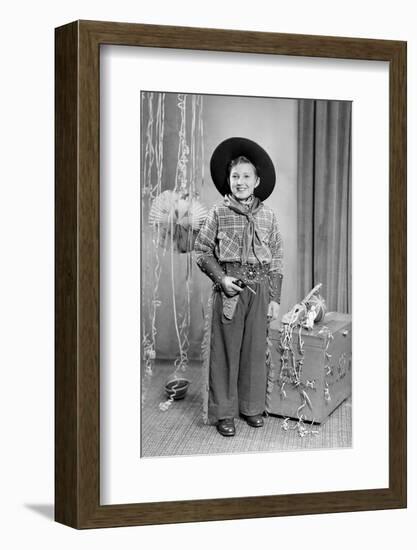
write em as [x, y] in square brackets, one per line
[246, 252]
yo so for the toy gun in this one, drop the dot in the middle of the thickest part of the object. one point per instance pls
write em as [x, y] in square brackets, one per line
[241, 284]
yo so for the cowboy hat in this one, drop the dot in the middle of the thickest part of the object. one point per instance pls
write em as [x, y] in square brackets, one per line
[234, 147]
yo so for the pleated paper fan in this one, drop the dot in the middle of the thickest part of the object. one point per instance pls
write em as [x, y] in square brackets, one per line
[179, 216]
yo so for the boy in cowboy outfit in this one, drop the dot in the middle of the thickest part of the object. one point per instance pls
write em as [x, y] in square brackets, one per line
[240, 242]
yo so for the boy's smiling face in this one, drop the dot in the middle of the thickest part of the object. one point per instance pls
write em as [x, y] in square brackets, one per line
[243, 180]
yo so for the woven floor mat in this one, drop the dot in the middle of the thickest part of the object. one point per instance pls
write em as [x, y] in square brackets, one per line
[180, 430]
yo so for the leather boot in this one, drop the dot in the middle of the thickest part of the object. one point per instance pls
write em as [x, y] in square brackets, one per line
[226, 427]
[256, 421]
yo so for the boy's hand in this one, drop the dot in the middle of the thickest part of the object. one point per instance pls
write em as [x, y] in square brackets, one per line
[273, 311]
[230, 289]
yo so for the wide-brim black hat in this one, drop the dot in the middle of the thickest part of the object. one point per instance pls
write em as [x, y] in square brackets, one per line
[234, 147]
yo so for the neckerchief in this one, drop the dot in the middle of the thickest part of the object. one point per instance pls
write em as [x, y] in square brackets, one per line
[251, 237]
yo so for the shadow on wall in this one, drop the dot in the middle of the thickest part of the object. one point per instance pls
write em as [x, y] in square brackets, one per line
[273, 124]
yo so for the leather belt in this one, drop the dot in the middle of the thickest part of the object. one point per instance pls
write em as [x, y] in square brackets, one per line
[248, 273]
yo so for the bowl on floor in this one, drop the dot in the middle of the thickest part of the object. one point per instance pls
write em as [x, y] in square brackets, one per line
[177, 388]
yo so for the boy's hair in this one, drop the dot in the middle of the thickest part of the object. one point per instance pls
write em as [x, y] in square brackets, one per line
[240, 160]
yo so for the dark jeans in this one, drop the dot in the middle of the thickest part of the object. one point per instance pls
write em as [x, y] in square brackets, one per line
[237, 378]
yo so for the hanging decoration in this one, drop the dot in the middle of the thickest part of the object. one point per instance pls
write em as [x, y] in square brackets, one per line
[175, 216]
[185, 219]
[180, 213]
[152, 162]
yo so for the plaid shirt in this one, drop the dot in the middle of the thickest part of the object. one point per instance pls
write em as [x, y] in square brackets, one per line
[221, 236]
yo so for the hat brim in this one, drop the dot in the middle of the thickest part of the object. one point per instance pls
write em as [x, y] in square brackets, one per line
[234, 147]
